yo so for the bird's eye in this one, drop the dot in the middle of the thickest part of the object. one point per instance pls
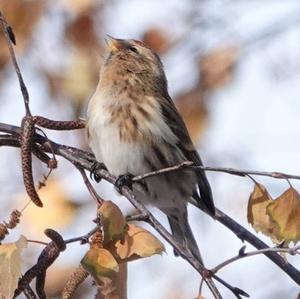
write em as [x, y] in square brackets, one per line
[133, 49]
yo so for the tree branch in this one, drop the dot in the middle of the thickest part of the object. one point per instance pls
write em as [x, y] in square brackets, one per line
[86, 160]
[242, 254]
[9, 36]
[232, 171]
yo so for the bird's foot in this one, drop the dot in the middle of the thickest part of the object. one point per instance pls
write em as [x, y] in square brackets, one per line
[124, 180]
[95, 167]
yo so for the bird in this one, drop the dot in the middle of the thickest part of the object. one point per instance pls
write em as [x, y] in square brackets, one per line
[133, 128]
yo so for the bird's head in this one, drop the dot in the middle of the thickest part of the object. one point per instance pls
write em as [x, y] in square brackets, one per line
[133, 56]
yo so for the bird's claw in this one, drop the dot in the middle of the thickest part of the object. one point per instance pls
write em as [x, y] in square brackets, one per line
[95, 167]
[124, 180]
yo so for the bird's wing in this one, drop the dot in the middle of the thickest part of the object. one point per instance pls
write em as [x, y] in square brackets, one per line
[177, 125]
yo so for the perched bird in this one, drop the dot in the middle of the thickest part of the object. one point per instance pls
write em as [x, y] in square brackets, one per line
[134, 128]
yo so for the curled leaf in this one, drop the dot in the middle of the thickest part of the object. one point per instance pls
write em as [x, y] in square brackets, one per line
[217, 67]
[112, 220]
[257, 213]
[99, 262]
[138, 243]
[284, 211]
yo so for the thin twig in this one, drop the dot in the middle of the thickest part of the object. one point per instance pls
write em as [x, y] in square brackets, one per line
[236, 291]
[244, 235]
[37, 242]
[239, 172]
[83, 239]
[292, 251]
[7, 29]
[242, 172]
[180, 166]
[137, 217]
[89, 186]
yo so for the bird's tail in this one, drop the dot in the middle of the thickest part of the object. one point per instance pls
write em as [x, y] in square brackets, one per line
[182, 232]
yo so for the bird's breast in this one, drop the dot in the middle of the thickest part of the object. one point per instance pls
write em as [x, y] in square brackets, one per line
[122, 130]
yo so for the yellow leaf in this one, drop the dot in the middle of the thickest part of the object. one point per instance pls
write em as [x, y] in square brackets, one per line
[78, 6]
[217, 66]
[257, 213]
[285, 212]
[112, 220]
[194, 112]
[138, 243]
[79, 77]
[157, 39]
[23, 16]
[10, 266]
[100, 262]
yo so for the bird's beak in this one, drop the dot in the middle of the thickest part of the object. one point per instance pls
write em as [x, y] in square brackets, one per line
[114, 44]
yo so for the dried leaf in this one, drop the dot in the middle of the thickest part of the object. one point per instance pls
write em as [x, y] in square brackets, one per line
[23, 16]
[81, 32]
[157, 40]
[257, 211]
[99, 262]
[10, 266]
[138, 243]
[194, 112]
[216, 67]
[80, 77]
[112, 220]
[285, 212]
[79, 6]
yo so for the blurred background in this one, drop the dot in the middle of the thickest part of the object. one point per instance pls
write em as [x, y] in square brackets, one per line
[234, 72]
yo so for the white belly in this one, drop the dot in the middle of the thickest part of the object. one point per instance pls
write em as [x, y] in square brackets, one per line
[104, 139]
[118, 157]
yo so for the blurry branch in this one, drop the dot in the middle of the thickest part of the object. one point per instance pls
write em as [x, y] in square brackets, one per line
[232, 171]
[10, 38]
[242, 254]
[85, 238]
[89, 186]
[244, 44]
[244, 235]
[274, 29]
